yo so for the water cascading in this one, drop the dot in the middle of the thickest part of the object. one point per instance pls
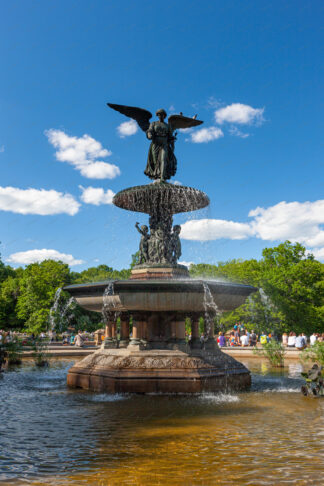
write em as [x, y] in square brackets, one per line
[159, 295]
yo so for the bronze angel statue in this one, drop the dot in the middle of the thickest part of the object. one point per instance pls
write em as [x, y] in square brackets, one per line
[161, 162]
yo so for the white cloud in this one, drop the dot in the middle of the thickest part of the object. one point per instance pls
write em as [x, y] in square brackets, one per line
[206, 135]
[214, 229]
[295, 221]
[99, 170]
[37, 201]
[82, 153]
[96, 195]
[127, 128]
[176, 183]
[186, 264]
[2, 148]
[33, 256]
[318, 253]
[237, 133]
[239, 113]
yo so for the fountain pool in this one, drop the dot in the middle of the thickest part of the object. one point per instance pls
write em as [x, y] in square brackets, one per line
[57, 436]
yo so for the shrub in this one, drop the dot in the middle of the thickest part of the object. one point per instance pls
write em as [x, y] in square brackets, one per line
[315, 354]
[273, 351]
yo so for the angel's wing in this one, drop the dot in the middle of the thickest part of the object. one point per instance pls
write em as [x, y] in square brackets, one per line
[179, 121]
[141, 116]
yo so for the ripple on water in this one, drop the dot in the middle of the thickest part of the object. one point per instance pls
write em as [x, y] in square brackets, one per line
[53, 435]
[219, 398]
[105, 397]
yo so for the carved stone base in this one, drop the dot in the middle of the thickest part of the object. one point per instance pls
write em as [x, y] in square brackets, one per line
[158, 371]
[159, 271]
[109, 343]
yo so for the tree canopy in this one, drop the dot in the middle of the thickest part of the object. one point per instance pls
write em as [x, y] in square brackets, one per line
[290, 297]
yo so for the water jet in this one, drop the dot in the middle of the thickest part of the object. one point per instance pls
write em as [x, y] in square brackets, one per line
[159, 296]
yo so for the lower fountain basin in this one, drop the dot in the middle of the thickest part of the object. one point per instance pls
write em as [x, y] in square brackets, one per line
[159, 295]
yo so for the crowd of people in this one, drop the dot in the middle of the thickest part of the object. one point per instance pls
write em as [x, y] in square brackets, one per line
[77, 339]
[239, 336]
[292, 340]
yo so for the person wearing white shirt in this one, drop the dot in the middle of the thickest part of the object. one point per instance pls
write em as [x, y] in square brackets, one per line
[244, 340]
[313, 339]
[291, 340]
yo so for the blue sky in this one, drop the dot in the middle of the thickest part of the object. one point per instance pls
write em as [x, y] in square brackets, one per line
[252, 70]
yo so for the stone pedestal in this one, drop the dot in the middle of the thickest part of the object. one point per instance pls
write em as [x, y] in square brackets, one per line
[158, 371]
[159, 271]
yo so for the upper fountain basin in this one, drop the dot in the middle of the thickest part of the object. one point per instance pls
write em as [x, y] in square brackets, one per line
[175, 198]
[160, 295]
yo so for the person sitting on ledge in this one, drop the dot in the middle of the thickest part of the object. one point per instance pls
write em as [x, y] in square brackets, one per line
[221, 340]
[78, 340]
[263, 338]
[300, 342]
[291, 340]
[232, 341]
[285, 339]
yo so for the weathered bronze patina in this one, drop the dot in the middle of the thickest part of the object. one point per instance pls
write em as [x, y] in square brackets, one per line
[161, 162]
[150, 353]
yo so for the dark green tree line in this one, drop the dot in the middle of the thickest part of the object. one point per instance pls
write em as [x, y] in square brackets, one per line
[291, 295]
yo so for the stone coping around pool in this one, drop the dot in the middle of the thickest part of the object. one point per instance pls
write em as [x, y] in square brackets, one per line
[246, 352]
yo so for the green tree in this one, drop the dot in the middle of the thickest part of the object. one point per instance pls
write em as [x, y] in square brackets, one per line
[9, 292]
[294, 281]
[99, 274]
[291, 284]
[37, 288]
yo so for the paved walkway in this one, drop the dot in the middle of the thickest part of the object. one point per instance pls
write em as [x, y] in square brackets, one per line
[70, 351]
[63, 351]
[248, 353]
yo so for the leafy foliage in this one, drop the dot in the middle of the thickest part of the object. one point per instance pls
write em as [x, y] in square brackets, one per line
[315, 353]
[291, 295]
[41, 355]
[37, 288]
[273, 351]
[99, 274]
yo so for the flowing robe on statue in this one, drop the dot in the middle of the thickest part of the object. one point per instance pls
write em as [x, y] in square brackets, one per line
[161, 161]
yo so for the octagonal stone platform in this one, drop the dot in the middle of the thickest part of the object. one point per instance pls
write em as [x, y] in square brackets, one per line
[158, 371]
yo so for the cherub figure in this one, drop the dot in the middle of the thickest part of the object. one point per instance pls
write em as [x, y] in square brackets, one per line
[175, 244]
[143, 249]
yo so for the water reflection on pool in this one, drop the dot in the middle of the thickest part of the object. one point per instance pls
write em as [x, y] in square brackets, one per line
[51, 435]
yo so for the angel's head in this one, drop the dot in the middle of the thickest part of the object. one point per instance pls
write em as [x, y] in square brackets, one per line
[161, 114]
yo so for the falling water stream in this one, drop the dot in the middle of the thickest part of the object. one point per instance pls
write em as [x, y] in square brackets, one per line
[56, 309]
[210, 307]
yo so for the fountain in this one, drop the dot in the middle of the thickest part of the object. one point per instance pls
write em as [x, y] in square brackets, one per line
[159, 296]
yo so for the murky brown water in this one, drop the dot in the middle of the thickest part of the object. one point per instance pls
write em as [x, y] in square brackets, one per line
[54, 436]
